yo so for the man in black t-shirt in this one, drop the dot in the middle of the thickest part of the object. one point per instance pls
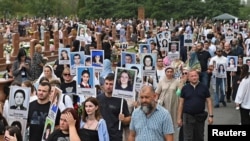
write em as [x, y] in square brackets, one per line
[110, 110]
[38, 111]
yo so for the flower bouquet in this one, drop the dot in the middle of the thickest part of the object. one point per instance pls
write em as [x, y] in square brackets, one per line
[79, 108]
[8, 48]
[51, 41]
[41, 42]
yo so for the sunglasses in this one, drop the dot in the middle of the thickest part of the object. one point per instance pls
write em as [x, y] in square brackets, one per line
[184, 73]
[66, 74]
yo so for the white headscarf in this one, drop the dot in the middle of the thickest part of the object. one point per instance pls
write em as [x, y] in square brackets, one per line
[52, 72]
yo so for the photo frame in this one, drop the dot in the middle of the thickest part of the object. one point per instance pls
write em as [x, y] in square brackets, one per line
[124, 86]
[64, 56]
[97, 59]
[232, 63]
[77, 59]
[148, 61]
[144, 48]
[127, 58]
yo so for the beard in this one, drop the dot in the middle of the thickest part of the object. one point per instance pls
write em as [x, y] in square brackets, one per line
[147, 108]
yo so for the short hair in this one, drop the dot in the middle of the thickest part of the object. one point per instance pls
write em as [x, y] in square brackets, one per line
[77, 55]
[20, 91]
[87, 59]
[129, 55]
[135, 68]
[46, 84]
[55, 82]
[38, 46]
[153, 43]
[247, 60]
[145, 46]
[151, 88]
[43, 79]
[110, 77]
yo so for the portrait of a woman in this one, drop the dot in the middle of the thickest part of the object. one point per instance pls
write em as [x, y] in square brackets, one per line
[97, 61]
[221, 69]
[19, 98]
[85, 79]
[148, 63]
[64, 55]
[231, 62]
[164, 43]
[124, 81]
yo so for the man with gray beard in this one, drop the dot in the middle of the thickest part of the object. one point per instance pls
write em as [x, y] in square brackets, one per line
[150, 121]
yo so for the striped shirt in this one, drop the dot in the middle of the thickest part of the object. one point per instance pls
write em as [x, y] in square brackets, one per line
[153, 127]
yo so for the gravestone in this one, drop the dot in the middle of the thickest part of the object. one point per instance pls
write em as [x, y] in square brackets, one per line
[98, 42]
[56, 40]
[15, 43]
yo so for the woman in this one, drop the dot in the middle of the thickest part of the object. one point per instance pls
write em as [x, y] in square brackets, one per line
[125, 81]
[21, 67]
[168, 90]
[231, 62]
[68, 127]
[164, 43]
[93, 126]
[193, 62]
[48, 72]
[29, 84]
[19, 97]
[37, 62]
[148, 63]
[64, 55]
[13, 133]
[85, 79]
[243, 95]
[9, 72]
[97, 61]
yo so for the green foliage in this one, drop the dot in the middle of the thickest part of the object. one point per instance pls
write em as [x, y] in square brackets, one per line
[92, 9]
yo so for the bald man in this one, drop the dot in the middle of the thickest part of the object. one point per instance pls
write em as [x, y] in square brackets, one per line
[150, 121]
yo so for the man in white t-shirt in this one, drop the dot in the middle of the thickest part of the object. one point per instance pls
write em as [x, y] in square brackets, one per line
[220, 83]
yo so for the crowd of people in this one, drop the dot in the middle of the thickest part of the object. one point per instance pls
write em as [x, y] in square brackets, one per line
[186, 80]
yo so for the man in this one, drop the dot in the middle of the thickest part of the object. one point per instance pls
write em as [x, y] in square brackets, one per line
[153, 46]
[128, 60]
[173, 49]
[228, 52]
[145, 49]
[248, 62]
[191, 109]
[38, 111]
[77, 61]
[160, 71]
[219, 93]
[110, 108]
[188, 39]
[150, 122]
[204, 57]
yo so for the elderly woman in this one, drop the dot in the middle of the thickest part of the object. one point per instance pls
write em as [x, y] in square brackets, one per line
[168, 90]
[37, 62]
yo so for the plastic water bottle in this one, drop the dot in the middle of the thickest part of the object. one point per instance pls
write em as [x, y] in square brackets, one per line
[7, 75]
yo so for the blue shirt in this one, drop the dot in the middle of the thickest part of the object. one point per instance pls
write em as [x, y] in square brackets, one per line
[152, 127]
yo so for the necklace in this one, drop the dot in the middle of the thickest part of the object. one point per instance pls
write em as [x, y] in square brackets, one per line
[89, 124]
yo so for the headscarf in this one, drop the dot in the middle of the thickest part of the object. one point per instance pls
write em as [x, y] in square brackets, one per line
[193, 59]
[107, 68]
[52, 73]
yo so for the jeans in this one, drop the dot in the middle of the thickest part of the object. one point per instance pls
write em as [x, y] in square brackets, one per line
[219, 94]
[193, 130]
[204, 79]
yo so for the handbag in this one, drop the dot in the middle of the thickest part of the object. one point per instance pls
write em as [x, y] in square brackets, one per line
[161, 98]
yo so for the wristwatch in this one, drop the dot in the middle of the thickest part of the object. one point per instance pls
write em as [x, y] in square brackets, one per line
[211, 116]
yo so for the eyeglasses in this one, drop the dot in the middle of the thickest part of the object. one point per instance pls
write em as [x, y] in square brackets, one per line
[66, 74]
[184, 73]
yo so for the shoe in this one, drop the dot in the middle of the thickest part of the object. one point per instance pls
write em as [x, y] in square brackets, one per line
[216, 106]
[228, 101]
[224, 103]
[237, 108]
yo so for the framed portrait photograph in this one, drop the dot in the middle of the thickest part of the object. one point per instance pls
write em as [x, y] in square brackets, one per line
[221, 71]
[246, 60]
[19, 101]
[64, 56]
[232, 62]
[76, 60]
[188, 40]
[148, 61]
[174, 50]
[160, 37]
[124, 86]
[167, 35]
[81, 32]
[97, 59]
[144, 48]
[127, 58]
[87, 60]
[139, 71]
[18, 122]
[48, 128]
[151, 40]
[85, 81]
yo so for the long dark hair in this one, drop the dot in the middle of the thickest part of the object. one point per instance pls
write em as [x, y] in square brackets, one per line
[244, 71]
[13, 130]
[21, 53]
